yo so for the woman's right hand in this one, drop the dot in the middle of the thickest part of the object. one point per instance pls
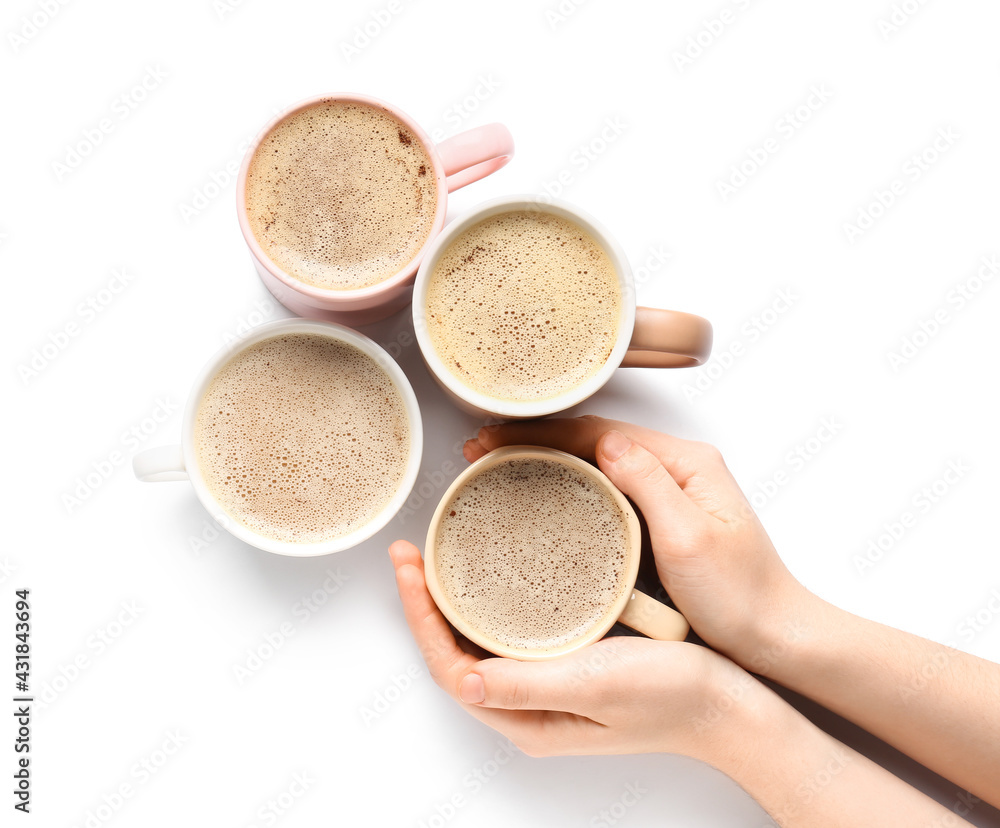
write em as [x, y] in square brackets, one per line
[712, 553]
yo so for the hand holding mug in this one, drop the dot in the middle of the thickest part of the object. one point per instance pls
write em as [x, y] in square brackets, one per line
[605, 698]
[713, 556]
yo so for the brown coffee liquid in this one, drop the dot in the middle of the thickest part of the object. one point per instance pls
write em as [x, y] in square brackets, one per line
[532, 553]
[302, 438]
[341, 195]
[523, 306]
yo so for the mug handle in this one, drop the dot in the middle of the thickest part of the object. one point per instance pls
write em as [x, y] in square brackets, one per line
[160, 464]
[653, 619]
[474, 154]
[668, 339]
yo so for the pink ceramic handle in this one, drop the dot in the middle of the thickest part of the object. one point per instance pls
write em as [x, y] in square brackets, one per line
[475, 154]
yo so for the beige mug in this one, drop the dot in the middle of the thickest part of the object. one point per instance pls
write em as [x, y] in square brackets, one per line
[631, 607]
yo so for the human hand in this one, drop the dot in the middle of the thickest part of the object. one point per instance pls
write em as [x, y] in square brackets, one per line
[712, 553]
[618, 695]
[635, 695]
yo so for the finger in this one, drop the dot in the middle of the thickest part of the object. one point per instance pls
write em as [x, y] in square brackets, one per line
[641, 476]
[684, 459]
[446, 661]
[507, 684]
[473, 450]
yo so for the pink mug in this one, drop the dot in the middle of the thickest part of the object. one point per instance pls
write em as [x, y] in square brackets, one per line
[457, 161]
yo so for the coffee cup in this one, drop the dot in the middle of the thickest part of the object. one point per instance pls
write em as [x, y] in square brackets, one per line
[302, 438]
[339, 196]
[525, 306]
[533, 553]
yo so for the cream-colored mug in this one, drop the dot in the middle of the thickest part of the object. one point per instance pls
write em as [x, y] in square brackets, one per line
[507, 537]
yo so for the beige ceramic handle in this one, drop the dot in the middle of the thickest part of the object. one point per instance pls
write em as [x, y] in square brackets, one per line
[668, 339]
[650, 617]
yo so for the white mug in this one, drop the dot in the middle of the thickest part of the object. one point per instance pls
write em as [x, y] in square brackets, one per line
[180, 462]
[647, 337]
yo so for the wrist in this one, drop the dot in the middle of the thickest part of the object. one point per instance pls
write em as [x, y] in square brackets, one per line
[776, 634]
[779, 757]
[729, 712]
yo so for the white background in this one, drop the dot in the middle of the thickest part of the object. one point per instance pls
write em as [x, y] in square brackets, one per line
[143, 200]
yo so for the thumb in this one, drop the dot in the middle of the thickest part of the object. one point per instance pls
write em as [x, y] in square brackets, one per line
[522, 685]
[640, 475]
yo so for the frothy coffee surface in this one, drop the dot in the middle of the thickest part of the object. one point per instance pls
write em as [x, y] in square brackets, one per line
[341, 195]
[523, 306]
[532, 553]
[302, 438]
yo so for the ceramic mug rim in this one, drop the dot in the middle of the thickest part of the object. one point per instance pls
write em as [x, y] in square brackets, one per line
[339, 333]
[350, 295]
[614, 610]
[549, 405]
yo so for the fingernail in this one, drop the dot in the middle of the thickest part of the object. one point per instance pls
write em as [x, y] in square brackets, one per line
[614, 445]
[471, 690]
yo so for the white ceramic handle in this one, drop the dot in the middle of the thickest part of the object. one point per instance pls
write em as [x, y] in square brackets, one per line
[160, 464]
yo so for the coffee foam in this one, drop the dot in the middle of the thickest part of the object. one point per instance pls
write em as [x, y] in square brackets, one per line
[341, 195]
[523, 306]
[302, 438]
[532, 553]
